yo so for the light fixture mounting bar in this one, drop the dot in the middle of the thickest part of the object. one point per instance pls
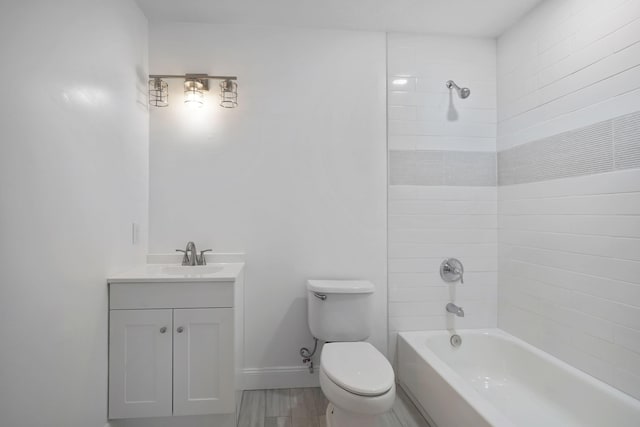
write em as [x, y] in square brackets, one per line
[191, 76]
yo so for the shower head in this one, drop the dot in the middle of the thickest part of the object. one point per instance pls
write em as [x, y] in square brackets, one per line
[463, 92]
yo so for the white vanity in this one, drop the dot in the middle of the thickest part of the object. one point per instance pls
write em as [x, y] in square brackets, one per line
[175, 342]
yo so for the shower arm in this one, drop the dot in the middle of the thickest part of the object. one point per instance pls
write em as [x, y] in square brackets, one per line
[463, 92]
[451, 84]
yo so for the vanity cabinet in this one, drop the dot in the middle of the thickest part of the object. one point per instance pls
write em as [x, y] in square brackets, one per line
[171, 349]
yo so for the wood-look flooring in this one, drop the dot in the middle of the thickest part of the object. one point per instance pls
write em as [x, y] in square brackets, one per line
[305, 407]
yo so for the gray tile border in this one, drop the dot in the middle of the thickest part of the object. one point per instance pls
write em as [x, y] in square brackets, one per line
[431, 167]
[464, 168]
[416, 167]
[601, 147]
[626, 136]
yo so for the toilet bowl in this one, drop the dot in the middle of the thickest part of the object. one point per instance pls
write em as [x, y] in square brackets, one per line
[359, 383]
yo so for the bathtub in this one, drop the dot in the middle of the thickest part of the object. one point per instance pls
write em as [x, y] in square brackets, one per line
[495, 379]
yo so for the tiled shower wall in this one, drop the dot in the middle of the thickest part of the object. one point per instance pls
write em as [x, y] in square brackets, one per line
[442, 181]
[569, 195]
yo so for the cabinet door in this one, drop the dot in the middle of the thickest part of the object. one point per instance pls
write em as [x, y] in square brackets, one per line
[203, 368]
[140, 344]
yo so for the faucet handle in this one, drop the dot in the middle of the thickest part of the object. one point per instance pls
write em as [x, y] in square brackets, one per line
[203, 260]
[452, 270]
[185, 258]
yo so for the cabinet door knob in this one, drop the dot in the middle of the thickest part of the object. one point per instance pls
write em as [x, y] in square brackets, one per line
[180, 329]
[163, 329]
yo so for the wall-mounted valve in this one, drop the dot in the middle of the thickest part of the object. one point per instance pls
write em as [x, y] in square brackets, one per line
[451, 270]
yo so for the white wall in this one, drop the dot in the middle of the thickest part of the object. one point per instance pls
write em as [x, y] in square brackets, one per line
[73, 177]
[570, 248]
[295, 176]
[442, 193]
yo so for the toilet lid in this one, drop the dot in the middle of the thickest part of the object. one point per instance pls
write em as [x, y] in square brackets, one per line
[357, 367]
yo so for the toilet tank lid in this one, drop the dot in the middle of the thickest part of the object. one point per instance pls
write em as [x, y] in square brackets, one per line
[341, 286]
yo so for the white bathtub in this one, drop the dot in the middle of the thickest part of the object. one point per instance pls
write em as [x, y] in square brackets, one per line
[495, 379]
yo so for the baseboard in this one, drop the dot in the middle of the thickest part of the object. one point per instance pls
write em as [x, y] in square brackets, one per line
[279, 377]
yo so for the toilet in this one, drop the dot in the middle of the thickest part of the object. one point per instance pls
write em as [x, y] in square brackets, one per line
[355, 377]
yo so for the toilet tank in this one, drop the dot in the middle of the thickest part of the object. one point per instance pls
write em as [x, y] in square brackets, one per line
[340, 310]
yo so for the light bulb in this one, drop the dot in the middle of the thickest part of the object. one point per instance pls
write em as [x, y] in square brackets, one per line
[193, 94]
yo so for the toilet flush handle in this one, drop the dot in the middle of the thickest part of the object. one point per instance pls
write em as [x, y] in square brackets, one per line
[320, 296]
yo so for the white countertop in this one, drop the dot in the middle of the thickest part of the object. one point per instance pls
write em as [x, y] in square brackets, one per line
[215, 272]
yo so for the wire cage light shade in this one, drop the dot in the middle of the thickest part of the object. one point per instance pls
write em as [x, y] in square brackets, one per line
[193, 93]
[228, 94]
[158, 93]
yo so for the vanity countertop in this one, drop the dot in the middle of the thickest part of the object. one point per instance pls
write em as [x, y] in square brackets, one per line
[154, 273]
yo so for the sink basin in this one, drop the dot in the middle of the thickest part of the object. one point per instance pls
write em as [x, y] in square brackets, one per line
[190, 269]
[174, 273]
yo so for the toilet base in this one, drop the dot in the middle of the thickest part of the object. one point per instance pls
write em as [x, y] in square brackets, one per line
[337, 417]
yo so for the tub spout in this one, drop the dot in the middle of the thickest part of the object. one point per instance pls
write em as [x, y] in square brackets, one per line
[454, 309]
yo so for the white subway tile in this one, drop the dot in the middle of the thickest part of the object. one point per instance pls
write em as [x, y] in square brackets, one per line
[429, 250]
[452, 143]
[408, 192]
[612, 182]
[627, 382]
[627, 35]
[603, 204]
[443, 236]
[622, 314]
[605, 225]
[408, 280]
[443, 293]
[602, 287]
[401, 60]
[618, 247]
[441, 206]
[464, 115]
[463, 222]
[616, 269]
[429, 265]
[405, 83]
[628, 338]
[399, 112]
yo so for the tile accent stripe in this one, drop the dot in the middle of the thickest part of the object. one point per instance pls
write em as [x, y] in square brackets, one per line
[431, 168]
[627, 141]
[602, 147]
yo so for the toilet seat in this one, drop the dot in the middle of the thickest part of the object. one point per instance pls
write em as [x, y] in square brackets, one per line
[357, 367]
[359, 406]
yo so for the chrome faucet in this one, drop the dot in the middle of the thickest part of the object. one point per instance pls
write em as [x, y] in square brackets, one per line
[194, 258]
[454, 309]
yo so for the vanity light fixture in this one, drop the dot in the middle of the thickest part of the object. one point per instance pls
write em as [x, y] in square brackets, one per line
[194, 87]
